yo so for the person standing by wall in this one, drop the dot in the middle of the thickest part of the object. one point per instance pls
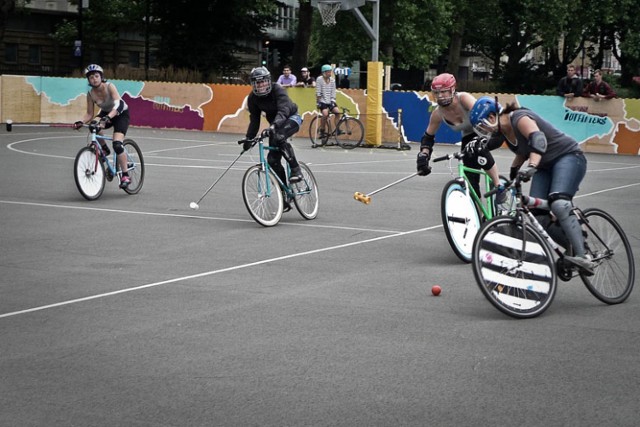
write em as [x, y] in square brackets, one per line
[598, 89]
[287, 79]
[570, 85]
[305, 79]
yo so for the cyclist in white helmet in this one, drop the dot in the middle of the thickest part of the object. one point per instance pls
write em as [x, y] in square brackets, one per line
[114, 112]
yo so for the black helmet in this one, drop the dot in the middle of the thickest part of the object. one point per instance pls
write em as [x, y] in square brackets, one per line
[258, 77]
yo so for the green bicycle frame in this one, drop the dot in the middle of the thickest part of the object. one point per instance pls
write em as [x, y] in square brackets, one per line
[485, 205]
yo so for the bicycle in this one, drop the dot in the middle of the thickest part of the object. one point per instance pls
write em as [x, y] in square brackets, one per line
[348, 132]
[263, 191]
[92, 166]
[463, 210]
[515, 267]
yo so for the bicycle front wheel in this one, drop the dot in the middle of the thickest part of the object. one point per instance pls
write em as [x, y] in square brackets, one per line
[608, 247]
[262, 196]
[514, 268]
[306, 194]
[88, 174]
[460, 219]
[317, 134]
[350, 133]
[135, 165]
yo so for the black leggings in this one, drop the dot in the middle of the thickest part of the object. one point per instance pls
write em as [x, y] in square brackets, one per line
[484, 160]
[279, 139]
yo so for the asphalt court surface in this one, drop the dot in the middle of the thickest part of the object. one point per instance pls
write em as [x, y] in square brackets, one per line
[138, 311]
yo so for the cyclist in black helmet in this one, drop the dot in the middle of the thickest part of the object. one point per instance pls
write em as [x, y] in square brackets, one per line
[282, 115]
[114, 112]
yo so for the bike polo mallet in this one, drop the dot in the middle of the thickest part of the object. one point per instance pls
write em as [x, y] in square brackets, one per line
[195, 205]
[366, 198]
[10, 125]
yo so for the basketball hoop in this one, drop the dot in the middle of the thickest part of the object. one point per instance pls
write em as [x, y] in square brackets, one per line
[328, 10]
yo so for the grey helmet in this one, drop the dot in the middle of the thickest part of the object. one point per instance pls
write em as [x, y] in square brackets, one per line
[258, 77]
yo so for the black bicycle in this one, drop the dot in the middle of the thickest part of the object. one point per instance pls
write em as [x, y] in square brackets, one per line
[348, 133]
[515, 267]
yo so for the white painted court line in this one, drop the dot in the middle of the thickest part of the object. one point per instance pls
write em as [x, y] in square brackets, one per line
[212, 272]
[175, 215]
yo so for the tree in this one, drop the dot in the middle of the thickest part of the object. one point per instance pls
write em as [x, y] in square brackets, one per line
[206, 36]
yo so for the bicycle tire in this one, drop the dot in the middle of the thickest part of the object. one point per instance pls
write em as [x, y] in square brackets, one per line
[265, 209]
[350, 133]
[519, 280]
[613, 278]
[314, 132]
[135, 164]
[88, 173]
[460, 219]
[306, 194]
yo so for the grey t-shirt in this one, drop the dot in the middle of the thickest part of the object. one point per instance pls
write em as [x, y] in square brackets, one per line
[558, 143]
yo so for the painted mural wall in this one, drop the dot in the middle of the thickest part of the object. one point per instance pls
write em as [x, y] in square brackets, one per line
[611, 126]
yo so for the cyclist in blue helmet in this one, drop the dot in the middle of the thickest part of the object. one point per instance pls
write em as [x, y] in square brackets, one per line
[326, 97]
[556, 166]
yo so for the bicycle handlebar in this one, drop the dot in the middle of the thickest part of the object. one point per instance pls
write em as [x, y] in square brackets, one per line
[458, 155]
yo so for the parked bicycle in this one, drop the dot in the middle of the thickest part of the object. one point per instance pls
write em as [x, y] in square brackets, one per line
[92, 166]
[463, 210]
[348, 133]
[515, 267]
[263, 192]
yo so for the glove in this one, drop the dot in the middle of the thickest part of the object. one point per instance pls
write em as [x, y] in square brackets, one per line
[77, 125]
[104, 122]
[475, 146]
[526, 174]
[423, 164]
[246, 144]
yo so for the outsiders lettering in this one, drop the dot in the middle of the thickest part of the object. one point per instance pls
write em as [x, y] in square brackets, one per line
[570, 116]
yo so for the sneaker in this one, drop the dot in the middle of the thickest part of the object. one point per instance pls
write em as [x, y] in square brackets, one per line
[124, 182]
[286, 202]
[583, 262]
[296, 174]
[105, 150]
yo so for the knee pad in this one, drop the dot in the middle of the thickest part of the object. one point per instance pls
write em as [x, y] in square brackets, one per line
[561, 208]
[118, 147]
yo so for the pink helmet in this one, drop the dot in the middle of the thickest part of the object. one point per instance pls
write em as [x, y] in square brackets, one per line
[443, 88]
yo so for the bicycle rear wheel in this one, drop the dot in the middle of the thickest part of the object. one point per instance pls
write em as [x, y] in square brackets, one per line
[319, 135]
[306, 194]
[135, 165]
[609, 247]
[460, 219]
[350, 133]
[517, 277]
[89, 174]
[262, 196]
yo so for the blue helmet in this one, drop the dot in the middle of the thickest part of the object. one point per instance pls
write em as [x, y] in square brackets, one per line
[479, 116]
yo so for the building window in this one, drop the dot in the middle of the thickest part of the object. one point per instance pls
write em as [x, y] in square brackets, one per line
[288, 18]
[34, 55]
[134, 59]
[11, 53]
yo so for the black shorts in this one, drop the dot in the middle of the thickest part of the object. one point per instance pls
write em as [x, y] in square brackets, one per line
[323, 106]
[120, 123]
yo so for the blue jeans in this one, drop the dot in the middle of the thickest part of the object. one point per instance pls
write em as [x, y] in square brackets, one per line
[564, 177]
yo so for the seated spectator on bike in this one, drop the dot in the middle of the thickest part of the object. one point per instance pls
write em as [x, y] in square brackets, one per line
[598, 89]
[287, 79]
[326, 97]
[282, 114]
[305, 79]
[114, 112]
[453, 109]
[556, 165]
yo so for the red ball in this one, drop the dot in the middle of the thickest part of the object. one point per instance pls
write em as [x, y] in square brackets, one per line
[435, 290]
